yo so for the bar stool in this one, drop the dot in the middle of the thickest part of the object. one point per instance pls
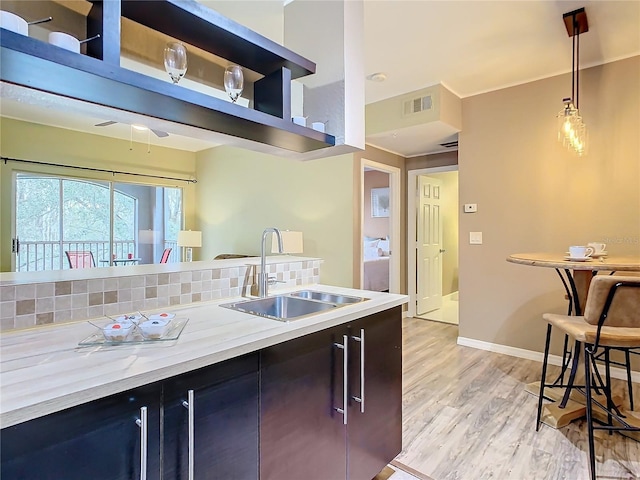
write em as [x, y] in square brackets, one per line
[611, 320]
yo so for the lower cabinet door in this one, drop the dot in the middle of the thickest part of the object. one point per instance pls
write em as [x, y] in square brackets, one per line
[374, 437]
[99, 440]
[302, 436]
[224, 422]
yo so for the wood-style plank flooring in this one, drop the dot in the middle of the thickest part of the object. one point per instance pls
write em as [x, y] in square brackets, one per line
[466, 416]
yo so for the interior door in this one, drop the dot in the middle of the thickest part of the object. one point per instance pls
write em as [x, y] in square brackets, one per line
[429, 245]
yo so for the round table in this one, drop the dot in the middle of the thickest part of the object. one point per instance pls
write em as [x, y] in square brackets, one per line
[578, 275]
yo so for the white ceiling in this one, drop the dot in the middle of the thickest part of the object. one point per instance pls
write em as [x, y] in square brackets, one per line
[470, 47]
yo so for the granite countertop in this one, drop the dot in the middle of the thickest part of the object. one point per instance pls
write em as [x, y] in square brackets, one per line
[43, 370]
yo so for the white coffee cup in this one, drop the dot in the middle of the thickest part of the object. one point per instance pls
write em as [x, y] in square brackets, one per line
[597, 246]
[580, 251]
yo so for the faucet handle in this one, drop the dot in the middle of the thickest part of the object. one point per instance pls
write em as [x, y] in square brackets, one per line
[273, 281]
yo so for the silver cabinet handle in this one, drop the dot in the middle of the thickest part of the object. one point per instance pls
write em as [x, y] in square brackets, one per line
[142, 423]
[360, 399]
[190, 406]
[345, 347]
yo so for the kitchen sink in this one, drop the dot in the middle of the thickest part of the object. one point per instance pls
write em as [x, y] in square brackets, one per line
[327, 297]
[293, 305]
[280, 307]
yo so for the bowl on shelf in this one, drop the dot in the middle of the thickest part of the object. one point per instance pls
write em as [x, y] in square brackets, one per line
[11, 21]
[64, 40]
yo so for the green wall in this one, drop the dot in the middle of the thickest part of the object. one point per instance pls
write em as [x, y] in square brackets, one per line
[240, 193]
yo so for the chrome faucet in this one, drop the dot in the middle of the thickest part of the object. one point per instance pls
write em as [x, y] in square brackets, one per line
[263, 276]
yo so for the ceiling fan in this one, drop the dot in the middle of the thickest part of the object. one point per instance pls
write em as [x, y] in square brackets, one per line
[157, 133]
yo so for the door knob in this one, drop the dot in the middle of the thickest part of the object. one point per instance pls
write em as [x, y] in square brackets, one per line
[442, 250]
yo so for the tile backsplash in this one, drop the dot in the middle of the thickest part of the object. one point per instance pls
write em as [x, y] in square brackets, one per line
[28, 305]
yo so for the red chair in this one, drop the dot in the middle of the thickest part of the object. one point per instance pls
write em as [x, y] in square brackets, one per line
[80, 259]
[165, 255]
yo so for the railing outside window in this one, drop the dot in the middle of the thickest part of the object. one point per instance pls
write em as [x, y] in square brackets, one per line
[40, 256]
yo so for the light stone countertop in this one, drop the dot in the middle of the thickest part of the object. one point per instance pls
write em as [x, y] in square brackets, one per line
[43, 370]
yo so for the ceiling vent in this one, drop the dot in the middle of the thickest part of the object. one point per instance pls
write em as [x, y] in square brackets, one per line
[417, 105]
[449, 144]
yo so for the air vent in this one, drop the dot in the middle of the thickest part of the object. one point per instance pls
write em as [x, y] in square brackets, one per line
[417, 105]
[449, 144]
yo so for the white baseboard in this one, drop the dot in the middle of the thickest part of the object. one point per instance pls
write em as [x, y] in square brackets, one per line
[616, 372]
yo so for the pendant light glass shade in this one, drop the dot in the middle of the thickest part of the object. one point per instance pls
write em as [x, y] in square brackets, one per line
[572, 132]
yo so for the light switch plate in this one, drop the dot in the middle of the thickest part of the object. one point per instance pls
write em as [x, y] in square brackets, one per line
[475, 238]
[470, 207]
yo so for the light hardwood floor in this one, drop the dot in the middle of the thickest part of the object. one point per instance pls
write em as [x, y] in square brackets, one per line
[466, 416]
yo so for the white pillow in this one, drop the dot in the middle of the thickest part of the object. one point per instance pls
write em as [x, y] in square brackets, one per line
[371, 252]
[371, 243]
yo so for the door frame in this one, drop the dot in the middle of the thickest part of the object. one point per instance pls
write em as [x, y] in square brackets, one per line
[394, 223]
[412, 205]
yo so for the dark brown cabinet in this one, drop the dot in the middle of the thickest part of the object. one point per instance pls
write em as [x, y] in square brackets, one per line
[106, 439]
[211, 423]
[100, 440]
[304, 433]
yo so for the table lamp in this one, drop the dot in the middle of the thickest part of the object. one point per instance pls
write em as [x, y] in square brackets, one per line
[291, 242]
[189, 239]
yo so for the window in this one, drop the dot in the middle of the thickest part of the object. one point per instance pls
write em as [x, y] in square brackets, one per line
[119, 223]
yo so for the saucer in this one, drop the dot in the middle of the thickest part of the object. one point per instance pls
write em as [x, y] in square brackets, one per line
[577, 259]
[603, 253]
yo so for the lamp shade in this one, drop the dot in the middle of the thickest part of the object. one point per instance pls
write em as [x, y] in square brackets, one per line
[189, 238]
[291, 242]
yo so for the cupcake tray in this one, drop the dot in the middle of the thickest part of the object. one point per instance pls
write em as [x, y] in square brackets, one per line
[177, 324]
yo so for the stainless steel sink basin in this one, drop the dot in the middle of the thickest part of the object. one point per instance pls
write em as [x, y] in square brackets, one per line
[280, 307]
[327, 297]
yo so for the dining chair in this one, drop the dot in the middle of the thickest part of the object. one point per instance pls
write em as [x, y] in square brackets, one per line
[611, 320]
[80, 259]
[165, 255]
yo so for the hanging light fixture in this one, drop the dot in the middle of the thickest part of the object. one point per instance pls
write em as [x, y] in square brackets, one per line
[572, 131]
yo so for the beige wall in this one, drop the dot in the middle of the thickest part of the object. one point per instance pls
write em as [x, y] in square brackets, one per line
[29, 141]
[240, 193]
[533, 195]
[374, 226]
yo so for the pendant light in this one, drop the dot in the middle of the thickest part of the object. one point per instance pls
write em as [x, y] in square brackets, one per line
[572, 131]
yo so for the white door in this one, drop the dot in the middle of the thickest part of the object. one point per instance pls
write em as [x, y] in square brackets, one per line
[429, 245]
